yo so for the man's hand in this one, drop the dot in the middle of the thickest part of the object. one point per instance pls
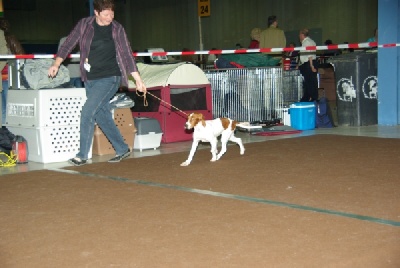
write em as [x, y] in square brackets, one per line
[53, 70]
[140, 86]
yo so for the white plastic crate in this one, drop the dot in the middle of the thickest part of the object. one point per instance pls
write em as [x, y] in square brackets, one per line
[147, 141]
[284, 115]
[50, 144]
[45, 108]
[148, 134]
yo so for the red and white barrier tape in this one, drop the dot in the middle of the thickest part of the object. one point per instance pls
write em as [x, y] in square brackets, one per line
[228, 51]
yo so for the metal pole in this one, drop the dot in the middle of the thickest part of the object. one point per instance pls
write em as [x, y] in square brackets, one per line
[201, 41]
[200, 34]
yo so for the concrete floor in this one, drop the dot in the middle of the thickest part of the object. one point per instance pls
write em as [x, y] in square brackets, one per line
[165, 148]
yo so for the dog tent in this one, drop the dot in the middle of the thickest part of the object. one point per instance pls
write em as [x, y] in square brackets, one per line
[174, 91]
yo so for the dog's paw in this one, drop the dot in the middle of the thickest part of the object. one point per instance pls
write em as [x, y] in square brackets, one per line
[242, 152]
[185, 164]
[213, 159]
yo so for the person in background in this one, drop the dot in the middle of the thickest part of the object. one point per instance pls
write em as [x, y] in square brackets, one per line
[106, 62]
[212, 57]
[272, 37]
[255, 38]
[322, 60]
[293, 56]
[375, 37]
[330, 52]
[308, 67]
[73, 67]
[347, 50]
[9, 44]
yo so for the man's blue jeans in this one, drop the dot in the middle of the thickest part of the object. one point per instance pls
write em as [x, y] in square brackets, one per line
[97, 110]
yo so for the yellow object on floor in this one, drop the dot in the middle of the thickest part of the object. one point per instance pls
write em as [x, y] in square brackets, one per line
[7, 160]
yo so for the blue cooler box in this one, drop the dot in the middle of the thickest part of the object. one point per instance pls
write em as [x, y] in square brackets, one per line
[302, 115]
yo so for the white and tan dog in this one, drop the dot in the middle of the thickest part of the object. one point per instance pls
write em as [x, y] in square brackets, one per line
[209, 131]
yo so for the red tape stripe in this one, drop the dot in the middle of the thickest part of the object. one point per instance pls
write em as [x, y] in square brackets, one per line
[219, 51]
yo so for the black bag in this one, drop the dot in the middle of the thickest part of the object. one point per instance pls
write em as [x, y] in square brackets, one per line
[6, 139]
[323, 118]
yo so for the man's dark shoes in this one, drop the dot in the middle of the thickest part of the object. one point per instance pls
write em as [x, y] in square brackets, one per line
[76, 161]
[118, 158]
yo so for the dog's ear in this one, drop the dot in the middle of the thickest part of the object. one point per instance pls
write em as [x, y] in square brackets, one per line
[203, 121]
[234, 124]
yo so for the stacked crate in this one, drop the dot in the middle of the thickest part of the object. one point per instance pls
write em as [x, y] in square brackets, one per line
[49, 120]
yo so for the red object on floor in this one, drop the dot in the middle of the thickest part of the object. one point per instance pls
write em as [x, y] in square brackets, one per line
[277, 133]
[20, 149]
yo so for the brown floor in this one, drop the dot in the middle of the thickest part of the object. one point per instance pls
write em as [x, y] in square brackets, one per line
[315, 201]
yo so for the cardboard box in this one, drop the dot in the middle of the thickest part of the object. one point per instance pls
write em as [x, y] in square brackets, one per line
[124, 121]
[102, 146]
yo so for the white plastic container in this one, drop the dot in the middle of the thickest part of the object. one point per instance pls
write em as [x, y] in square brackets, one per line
[284, 115]
[50, 144]
[44, 107]
[148, 134]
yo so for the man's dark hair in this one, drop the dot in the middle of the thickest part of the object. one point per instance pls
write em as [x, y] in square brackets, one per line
[100, 5]
[271, 19]
[4, 25]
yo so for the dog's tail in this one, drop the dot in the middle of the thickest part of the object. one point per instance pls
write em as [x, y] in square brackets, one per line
[239, 124]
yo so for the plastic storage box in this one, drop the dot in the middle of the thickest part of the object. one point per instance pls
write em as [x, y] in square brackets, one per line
[302, 115]
[148, 134]
[284, 115]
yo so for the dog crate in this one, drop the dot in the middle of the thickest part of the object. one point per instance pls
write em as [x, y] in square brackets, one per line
[253, 94]
[44, 108]
[49, 120]
[50, 144]
[174, 91]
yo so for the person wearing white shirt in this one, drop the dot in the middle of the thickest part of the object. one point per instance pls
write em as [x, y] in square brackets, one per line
[308, 67]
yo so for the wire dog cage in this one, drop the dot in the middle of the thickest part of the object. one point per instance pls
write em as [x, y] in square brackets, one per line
[253, 94]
